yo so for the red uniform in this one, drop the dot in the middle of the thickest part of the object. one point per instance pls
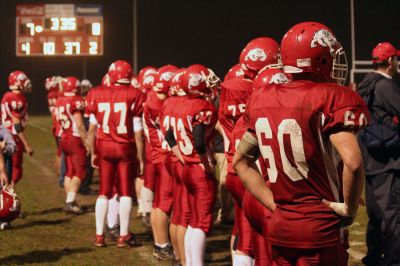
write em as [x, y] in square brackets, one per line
[164, 183]
[234, 95]
[201, 185]
[52, 97]
[15, 105]
[114, 108]
[71, 144]
[293, 128]
[180, 206]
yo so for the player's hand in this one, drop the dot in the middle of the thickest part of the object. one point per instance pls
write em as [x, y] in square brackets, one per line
[342, 210]
[93, 161]
[3, 179]
[141, 168]
[29, 150]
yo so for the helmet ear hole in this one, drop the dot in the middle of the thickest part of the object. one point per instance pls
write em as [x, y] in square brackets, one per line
[324, 61]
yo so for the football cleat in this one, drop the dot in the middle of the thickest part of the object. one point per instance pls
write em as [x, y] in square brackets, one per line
[128, 240]
[99, 241]
[73, 207]
[113, 233]
[165, 253]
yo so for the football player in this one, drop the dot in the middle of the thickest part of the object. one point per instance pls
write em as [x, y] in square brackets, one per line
[162, 203]
[259, 53]
[114, 108]
[303, 130]
[191, 130]
[10, 206]
[14, 114]
[70, 107]
[180, 210]
[52, 85]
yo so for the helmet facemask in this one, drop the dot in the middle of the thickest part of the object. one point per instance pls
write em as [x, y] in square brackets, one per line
[339, 66]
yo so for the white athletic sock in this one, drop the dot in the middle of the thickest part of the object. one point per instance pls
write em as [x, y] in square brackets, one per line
[146, 196]
[188, 242]
[101, 212]
[242, 260]
[70, 197]
[125, 207]
[113, 212]
[163, 245]
[198, 246]
[140, 205]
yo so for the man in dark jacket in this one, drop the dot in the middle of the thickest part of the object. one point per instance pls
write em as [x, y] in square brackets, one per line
[382, 166]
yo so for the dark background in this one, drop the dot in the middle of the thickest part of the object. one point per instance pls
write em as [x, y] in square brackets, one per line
[183, 32]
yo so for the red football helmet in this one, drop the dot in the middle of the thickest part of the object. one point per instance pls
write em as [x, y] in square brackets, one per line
[312, 47]
[147, 82]
[10, 205]
[199, 80]
[146, 71]
[163, 78]
[234, 72]
[121, 72]
[18, 80]
[259, 53]
[135, 82]
[270, 76]
[70, 85]
[175, 87]
[53, 83]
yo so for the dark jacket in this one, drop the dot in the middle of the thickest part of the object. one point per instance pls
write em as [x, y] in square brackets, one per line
[385, 107]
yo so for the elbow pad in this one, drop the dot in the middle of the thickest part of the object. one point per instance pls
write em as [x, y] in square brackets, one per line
[170, 139]
[18, 127]
[199, 139]
[248, 146]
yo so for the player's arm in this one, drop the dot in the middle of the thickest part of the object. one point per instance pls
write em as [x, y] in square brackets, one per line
[200, 145]
[244, 165]
[139, 139]
[218, 128]
[170, 139]
[346, 144]
[20, 132]
[92, 140]
[3, 175]
[80, 126]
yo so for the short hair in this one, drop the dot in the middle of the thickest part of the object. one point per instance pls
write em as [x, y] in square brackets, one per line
[382, 64]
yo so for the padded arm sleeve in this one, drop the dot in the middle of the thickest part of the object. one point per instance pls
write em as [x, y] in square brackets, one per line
[199, 139]
[248, 146]
[170, 138]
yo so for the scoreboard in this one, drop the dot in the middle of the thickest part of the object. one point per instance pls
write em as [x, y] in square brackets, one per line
[59, 30]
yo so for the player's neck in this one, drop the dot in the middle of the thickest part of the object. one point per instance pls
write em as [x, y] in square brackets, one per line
[161, 96]
[16, 91]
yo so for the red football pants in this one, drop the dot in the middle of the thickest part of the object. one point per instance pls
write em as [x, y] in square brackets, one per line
[202, 188]
[149, 174]
[116, 158]
[258, 216]
[244, 241]
[75, 156]
[180, 203]
[164, 188]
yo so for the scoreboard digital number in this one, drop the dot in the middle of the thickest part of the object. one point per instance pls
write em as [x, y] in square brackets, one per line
[59, 30]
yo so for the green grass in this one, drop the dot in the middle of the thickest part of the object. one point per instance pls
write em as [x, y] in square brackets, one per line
[47, 236]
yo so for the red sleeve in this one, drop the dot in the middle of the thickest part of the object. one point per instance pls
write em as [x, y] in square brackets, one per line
[205, 114]
[137, 105]
[77, 105]
[90, 103]
[248, 122]
[347, 111]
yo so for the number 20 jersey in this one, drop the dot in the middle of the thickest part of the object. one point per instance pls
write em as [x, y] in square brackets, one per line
[292, 123]
[114, 108]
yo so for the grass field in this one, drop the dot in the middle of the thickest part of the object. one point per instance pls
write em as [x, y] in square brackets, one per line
[47, 236]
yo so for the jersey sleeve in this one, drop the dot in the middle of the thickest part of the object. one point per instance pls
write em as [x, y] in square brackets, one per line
[248, 121]
[77, 105]
[137, 104]
[205, 114]
[346, 111]
[90, 104]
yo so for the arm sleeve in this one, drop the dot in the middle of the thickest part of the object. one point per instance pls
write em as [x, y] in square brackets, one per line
[199, 138]
[170, 138]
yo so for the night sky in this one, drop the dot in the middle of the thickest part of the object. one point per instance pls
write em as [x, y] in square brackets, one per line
[184, 32]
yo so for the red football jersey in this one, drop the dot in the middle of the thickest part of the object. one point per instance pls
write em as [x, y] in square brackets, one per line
[292, 123]
[170, 109]
[234, 95]
[52, 97]
[188, 113]
[114, 108]
[13, 105]
[66, 106]
[151, 118]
